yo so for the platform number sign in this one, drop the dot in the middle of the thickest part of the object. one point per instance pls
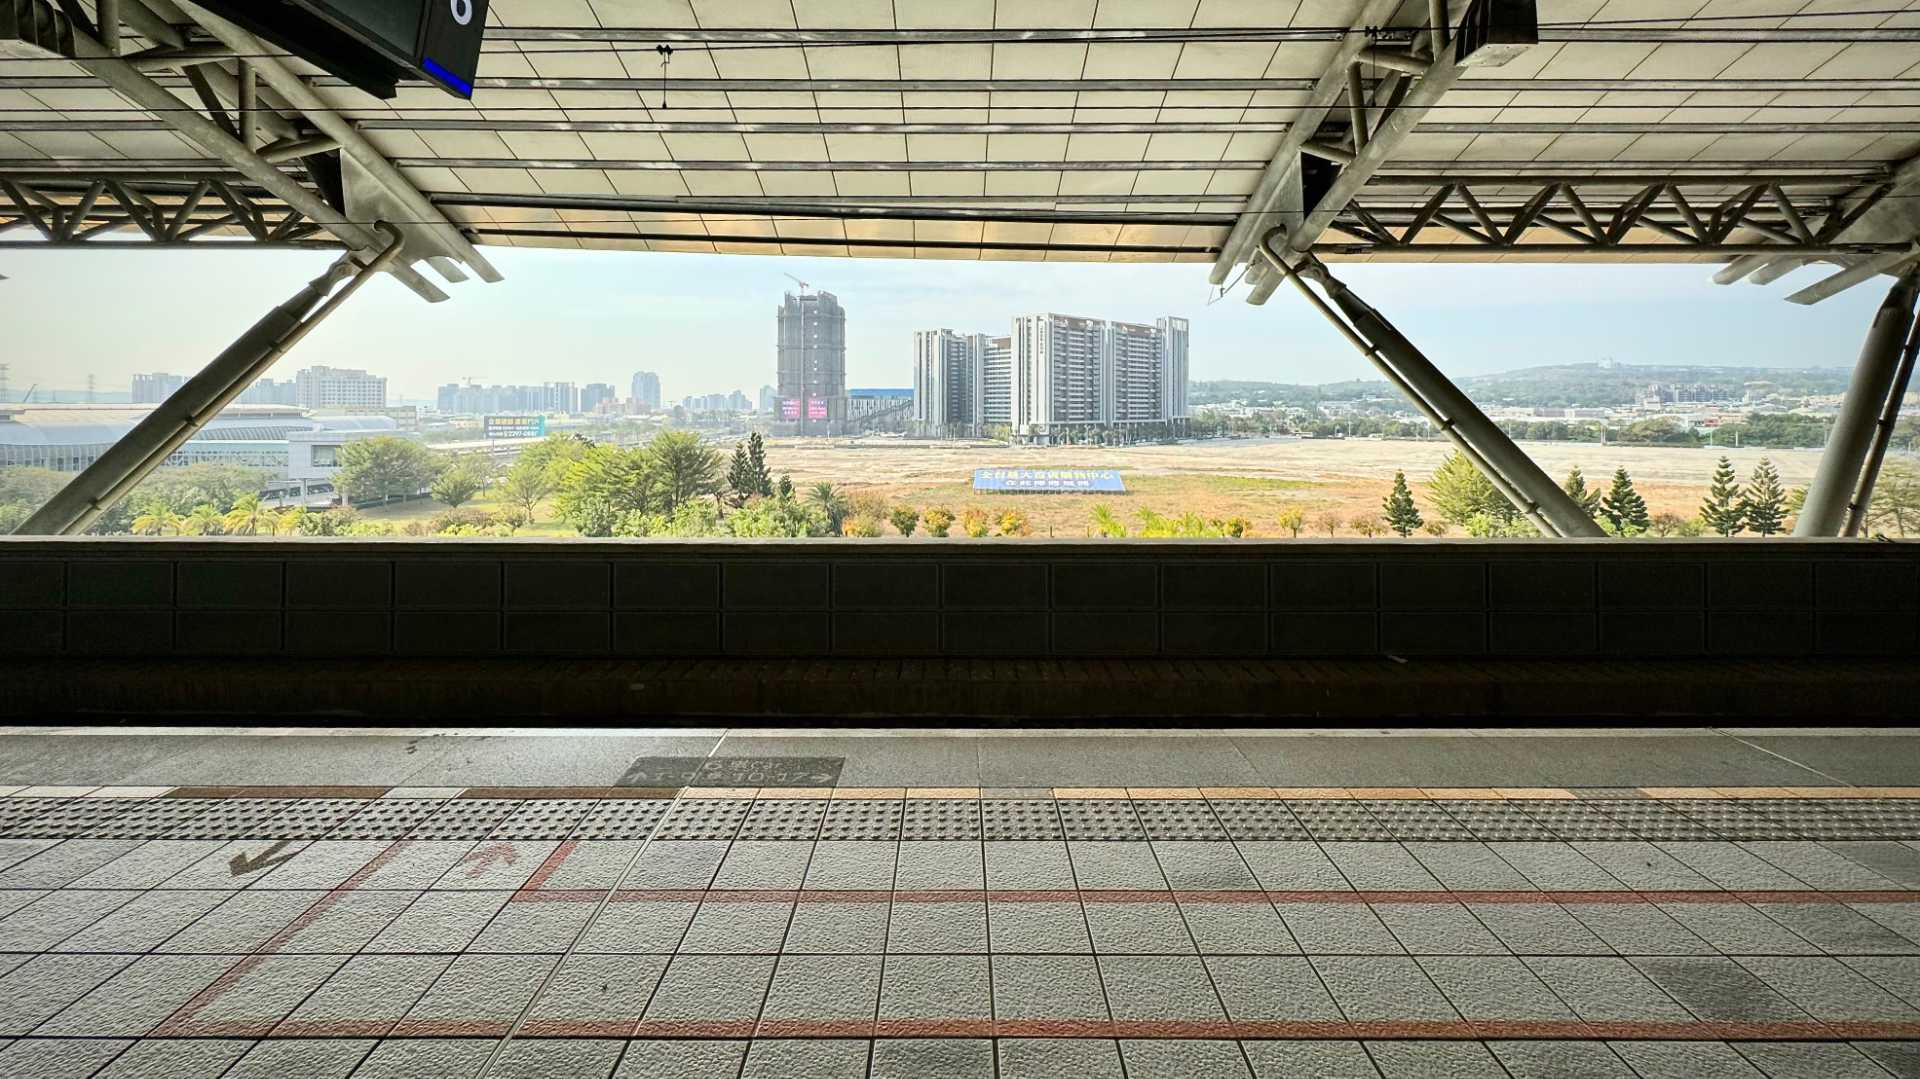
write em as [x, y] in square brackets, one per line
[450, 38]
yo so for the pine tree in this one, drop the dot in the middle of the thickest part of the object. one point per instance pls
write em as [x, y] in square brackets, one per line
[785, 490]
[1402, 515]
[1587, 498]
[1722, 511]
[1764, 502]
[1623, 507]
[757, 465]
[740, 479]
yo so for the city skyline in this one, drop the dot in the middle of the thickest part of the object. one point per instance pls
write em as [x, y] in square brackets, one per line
[700, 321]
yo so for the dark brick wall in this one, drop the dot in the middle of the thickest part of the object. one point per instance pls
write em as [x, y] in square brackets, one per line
[311, 599]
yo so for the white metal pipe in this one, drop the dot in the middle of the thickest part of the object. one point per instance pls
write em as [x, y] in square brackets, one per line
[1883, 433]
[172, 422]
[1842, 461]
[1522, 481]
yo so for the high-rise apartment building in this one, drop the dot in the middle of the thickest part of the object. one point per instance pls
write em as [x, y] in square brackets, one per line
[562, 397]
[596, 394]
[339, 388]
[266, 391]
[811, 363]
[155, 388]
[646, 389]
[1054, 377]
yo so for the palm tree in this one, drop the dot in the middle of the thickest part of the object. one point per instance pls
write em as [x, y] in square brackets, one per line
[204, 520]
[290, 519]
[831, 502]
[157, 520]
[248, 517]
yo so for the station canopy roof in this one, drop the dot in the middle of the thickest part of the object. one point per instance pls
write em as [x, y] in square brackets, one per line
[1099, 130]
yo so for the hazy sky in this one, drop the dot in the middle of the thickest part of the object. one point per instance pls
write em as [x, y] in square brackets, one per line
[706, 322]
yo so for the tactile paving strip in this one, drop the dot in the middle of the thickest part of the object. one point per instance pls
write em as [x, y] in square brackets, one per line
[69, 820]
[1494, 821]
[704, 818]
[1413, 819]
[1100, 818]
[233, 818]
[17, 810]
[544, 818]
[1020, 818]
[941, 818]
[863, 818]
[1577, 822]
[1338, 820]
[1658, 821]
[1258, 819]
[784, 818]
[623, 818]
[153, 818]
[387, 818]
[311, 818]
[465, 818]
[1183, 818]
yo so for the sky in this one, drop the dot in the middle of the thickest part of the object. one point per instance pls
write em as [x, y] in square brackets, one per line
[705, 323]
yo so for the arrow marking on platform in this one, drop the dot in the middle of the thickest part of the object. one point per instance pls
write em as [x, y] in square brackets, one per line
[241, 864]
[483, 857]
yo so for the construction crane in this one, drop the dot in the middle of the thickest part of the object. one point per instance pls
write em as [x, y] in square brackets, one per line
[804, 287]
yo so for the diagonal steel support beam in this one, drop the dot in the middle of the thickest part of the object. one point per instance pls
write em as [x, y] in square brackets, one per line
[1843, 461]
[1510, 470]
[107, 480]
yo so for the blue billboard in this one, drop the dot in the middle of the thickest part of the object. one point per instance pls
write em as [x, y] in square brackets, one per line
[1049, 480]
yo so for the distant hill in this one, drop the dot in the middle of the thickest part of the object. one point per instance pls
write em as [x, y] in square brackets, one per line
[1595, 385]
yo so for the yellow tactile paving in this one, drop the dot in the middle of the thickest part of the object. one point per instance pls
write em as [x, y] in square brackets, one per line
[870, 792]
[1533, 792]
[1237, 792]
[1386, 792]
[1462, 793]
[720, 792]
[1163, 792]
[943, 792]
[1753, 792]
[1089, 792]
[1681, 792]
[799, 792]
[1307, 793]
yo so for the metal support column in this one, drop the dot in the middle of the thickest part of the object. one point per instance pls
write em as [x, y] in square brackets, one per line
[1842, 462]
[1509, 469]
[1883, 433]
[104, 482]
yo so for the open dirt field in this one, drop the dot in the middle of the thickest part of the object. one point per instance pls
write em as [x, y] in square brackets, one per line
[1252, 478]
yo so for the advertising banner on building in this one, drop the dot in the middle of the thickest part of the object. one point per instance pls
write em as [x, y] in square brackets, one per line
[513, 427]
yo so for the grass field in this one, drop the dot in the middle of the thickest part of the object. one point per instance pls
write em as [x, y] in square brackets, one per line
[1251, 478]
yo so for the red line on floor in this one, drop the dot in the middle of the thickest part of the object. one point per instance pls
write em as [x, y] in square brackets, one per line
[177, 1023]
[1111, 895]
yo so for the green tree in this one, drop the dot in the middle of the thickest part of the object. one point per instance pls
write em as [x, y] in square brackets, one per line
[938, 520]
[385, 467]
[1623, 507]
[458, 481]
[1402, 515]
[186, 487]
[1291, 519]
[785, 491]
[831, 503]
[1460, 492]
[860, 526]
[156, 519]
[757, 465]
[1106, 524]
[1764, 503]
[776, 518]
[1014, 523]
[904, 519]
[248, 517]
[1896, 500]
[527, 484]
[686, 467]
[975, 522]
[203, 520]
[606, 485]
[740, 482]
[1587, 498]
[1722, 511]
